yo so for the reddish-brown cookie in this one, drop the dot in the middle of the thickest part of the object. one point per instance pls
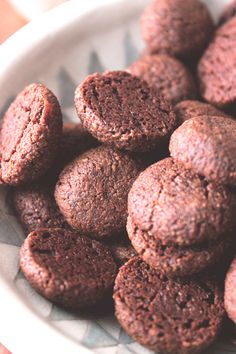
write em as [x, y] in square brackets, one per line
[174, 261]
[36, 208]
[92, 191]
[179, 207]
[228, 12]
[216, 69]
[167, 316]
[188, 109]
[176, 27]
[207, 145]
[123, 111]
[230, 292]
[167, 75]
[30, 135]
[67, 268]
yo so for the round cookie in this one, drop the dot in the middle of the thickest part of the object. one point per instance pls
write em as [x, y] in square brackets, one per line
[167, 75]
[174, 261]
[207, 145]
[67, 268]
[179, 207]
[36, 208]
[230, 292]
[123, 111]
[30, 135]
[162, 314]
[228, 12]
[176, 27]
[92, 191]
[191, 109]
[216, 84]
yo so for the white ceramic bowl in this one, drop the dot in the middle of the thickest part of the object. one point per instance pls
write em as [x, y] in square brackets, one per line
[60, 49]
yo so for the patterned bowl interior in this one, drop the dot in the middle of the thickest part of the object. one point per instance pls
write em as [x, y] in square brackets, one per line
[61, 63]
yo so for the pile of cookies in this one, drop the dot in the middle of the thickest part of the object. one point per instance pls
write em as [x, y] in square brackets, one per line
[155, 154]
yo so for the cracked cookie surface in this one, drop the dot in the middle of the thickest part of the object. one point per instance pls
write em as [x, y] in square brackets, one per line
[167, 75]
[67, 268]
[188, 109]
[179, 207]
[207, 146]
[171, 260]
[123, 111]
[30, 134]
[92, 191]
[216, 85]
[167, 316]
[176, 27]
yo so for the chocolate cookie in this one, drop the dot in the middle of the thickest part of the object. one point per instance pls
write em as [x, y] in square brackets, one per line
[123, 111]
[207, 145]
[174, 261]
[67, 268]
[179, 207]
[228, 12]
[30, 135]
[176, 27]
[191, 109]
[167, 75]
[36, 207]
[230, 292]
[216, 69]
[92, 191]
[164, 315]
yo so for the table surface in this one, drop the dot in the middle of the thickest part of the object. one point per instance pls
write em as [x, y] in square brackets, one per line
[10, 22]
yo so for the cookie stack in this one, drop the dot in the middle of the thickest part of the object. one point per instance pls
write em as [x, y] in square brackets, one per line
[69, 189]
[181, 210]
[179, 222]
[181, 216]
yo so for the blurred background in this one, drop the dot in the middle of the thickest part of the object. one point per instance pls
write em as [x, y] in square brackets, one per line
[11, 20]
[16, 13]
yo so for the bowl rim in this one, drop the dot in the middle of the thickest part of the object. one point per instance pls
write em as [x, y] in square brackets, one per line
[27, 331]
[51, 23]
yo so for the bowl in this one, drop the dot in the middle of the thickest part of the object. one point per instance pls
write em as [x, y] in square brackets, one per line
[59, 49]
